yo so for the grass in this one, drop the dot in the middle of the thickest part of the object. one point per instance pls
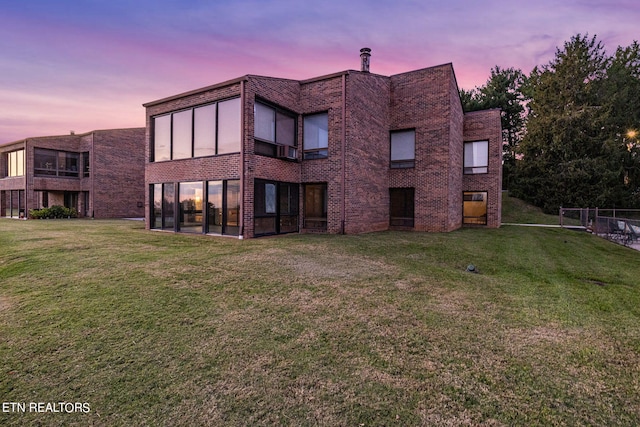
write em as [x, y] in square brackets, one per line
[515, 211]
[162, 329]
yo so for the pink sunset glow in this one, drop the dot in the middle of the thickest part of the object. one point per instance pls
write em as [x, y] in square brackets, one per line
[81, 66]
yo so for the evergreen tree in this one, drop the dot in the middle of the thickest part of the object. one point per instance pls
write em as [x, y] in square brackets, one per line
[503, 91]
[571, 155]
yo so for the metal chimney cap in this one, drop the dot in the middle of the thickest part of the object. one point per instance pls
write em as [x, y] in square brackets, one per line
[365, 54]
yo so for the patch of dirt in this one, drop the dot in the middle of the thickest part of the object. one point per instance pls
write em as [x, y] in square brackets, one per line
[5, 303]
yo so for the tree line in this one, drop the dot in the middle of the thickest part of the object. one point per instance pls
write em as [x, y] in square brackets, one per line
[571, 128]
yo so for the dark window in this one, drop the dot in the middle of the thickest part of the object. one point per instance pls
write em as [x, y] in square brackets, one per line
[232, 208]
[316, 136]
[85, 164]
[474, 207]
[196, 132]
[315, 206]
[15, 204]
[56, 163]
[403, 147]
[401, 203]
[476, 157]
[273, 127]
[275, 207]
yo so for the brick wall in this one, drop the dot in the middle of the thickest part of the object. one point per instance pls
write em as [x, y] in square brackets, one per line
[117, 173]
[326, 96]
[485, 125]
[367, 153]
[423, 100]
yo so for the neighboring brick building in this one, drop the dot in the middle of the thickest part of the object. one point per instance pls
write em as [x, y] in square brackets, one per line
[99, 173]
[348, 152]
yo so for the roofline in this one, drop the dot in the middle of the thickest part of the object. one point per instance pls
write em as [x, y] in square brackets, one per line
[197, 91]
[74, 135]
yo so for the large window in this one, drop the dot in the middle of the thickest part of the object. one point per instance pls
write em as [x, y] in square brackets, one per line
[315, 206]
[474, 207]
[275, 207]
[15, 203]
[401, 204]
[196, 132]
[15, 163]
[56, 163]
[222, 199]
[191, 201]
[274, 127]
[403, 148]
[316, 136]
[476, 157]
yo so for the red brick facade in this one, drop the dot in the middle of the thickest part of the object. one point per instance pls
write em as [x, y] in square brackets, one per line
[113, 187]
[362, 110]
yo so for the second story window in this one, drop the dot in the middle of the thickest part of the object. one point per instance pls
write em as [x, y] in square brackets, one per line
[274, 131]
[403, 149]
[15, 163]
[316, 136]
[207, 130]
[476, 157]
[55, 163]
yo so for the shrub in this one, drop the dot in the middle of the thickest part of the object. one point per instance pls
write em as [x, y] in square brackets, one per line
[54, 211]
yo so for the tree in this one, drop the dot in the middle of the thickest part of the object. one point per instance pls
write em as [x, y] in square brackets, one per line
[503, 90]
[571, 151]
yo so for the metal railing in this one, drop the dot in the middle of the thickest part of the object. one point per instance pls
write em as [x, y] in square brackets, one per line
[618, 225]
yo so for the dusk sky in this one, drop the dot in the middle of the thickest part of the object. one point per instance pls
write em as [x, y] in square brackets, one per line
[84, 65]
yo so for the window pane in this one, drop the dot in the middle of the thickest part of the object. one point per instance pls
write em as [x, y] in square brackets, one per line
[214, 206]
[68, 164]
[316, 132]
[475, 207]
[12, 164]
[168, 201]
[229, 126]
[182, 134]
[190, 196]
[162, 138]
[232, 208]
[285, 129]
[20, 160]
[264, 122]
[204, 138]
[401, 203]
[476, 157]
[45, 162]
[85, 161]
[156, 213]
[403, 145]
[270, 198]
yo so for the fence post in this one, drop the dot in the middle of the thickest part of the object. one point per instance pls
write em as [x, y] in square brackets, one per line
[561, 223]
[596, 222]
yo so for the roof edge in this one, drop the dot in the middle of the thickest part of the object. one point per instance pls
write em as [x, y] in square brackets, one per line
[196, 91]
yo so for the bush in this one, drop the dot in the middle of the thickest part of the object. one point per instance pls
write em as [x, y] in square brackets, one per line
[54, 211]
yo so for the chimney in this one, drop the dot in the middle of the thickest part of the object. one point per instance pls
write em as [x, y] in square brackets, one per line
[365, 54]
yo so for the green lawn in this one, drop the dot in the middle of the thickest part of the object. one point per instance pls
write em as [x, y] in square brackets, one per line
[161, 329]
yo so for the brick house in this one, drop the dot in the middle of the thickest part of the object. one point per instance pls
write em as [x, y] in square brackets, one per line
[99, 173]
[348, 152]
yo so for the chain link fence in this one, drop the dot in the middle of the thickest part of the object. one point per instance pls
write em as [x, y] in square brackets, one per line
[618, 225]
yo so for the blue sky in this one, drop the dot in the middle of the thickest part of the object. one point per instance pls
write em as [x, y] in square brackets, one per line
[90, 64]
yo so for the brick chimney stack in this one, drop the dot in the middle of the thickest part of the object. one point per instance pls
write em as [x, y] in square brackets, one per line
[365, 55]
